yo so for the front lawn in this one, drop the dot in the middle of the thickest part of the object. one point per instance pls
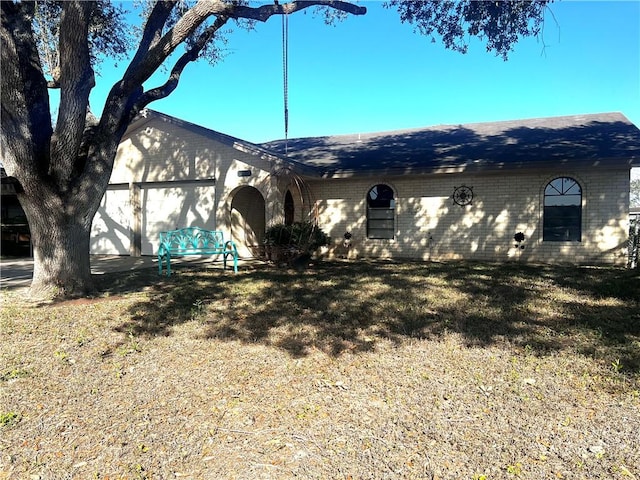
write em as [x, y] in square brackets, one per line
[345, 370]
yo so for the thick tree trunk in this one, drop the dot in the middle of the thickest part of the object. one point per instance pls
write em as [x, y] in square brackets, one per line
[60, 249]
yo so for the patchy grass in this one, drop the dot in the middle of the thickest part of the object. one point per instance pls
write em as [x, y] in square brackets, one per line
[345, 370]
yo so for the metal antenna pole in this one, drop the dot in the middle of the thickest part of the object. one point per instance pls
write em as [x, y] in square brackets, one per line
[285, 74]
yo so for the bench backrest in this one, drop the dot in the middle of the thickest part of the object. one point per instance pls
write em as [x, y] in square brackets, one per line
[192, 238]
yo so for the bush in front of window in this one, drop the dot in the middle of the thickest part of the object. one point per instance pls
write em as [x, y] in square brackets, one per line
[299, 236]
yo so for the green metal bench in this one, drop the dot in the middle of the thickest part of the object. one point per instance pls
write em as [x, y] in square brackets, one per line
[194, 241]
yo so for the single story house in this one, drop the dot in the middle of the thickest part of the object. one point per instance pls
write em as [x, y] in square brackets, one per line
[540, 190]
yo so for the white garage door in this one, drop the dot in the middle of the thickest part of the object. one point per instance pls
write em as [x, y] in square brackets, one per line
[176, 206]
[110, 231]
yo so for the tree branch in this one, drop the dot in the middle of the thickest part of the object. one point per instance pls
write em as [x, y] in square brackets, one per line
[264, 12]
[25, 132]
[153, 28]
[171, 84]
[141, 71]
[149, 60]
[126, 94]
[76, 81]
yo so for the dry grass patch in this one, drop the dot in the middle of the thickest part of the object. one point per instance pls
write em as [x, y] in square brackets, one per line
[347, 370]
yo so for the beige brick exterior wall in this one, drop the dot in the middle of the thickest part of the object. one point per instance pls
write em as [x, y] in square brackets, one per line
[430, 226]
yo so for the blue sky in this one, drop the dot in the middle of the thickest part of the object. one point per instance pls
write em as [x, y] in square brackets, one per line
[372, 73]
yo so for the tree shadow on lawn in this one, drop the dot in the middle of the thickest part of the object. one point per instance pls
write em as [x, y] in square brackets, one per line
[339, 306]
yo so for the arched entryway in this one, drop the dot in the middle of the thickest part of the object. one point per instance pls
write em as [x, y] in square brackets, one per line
[247, 219]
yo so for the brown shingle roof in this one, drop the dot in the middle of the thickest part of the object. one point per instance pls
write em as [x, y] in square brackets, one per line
[594, 139]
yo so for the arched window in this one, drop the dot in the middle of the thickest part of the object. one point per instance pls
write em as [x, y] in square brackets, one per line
[380, 212]
[289, 209]
[562, 220]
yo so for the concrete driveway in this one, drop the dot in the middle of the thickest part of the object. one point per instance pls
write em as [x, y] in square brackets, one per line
[15, 273]
[18, 272]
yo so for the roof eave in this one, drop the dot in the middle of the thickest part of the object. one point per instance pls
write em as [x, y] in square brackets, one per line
[235, 143]
[479, 167]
